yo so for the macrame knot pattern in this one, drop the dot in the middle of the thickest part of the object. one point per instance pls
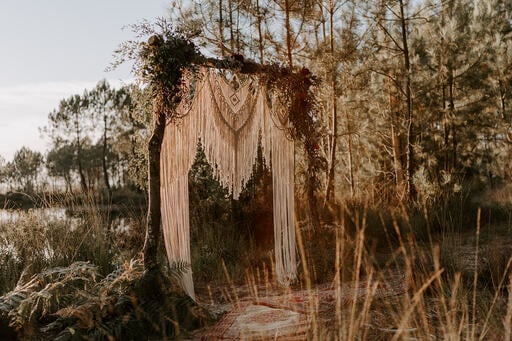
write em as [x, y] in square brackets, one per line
[228, 116]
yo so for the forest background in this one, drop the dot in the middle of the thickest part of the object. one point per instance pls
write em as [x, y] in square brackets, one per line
[413, 99]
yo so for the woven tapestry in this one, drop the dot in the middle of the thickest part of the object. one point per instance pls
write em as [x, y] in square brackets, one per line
[230, 114]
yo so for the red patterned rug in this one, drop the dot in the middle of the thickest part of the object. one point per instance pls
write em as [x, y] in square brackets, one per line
[288, 316]
[250, 321]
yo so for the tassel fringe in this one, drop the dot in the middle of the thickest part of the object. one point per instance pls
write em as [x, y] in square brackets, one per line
[228, 121]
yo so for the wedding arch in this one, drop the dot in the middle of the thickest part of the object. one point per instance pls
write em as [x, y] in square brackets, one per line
[231, 114]
[230, 106]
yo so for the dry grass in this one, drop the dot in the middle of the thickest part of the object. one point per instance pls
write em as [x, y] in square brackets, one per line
[37, 239]
[452, 287]
[451, 284]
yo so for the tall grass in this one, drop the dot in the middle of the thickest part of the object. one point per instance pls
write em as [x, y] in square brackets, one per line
[453, 283]
[36, 239]
[455, 289]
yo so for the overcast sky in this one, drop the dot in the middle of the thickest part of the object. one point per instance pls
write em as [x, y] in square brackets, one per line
[51, 49]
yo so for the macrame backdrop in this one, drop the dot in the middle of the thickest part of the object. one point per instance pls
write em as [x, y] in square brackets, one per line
[227, 116]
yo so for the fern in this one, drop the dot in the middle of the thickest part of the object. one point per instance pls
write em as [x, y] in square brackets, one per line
[75, 301]
[46, 293]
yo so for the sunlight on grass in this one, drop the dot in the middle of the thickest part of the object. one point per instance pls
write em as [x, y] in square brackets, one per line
[418, 291]
[444, 285]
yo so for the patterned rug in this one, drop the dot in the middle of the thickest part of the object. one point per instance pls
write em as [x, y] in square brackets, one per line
[288, 316]
[248, 321]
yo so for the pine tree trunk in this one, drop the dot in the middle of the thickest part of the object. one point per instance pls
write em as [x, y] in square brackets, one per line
[310, 190]
[329, 194]
[153, 228]
[260, 32]
[334, 102]
[221, 30]
[350, 159]
[451, 111]
[502, 85]
[231, 26]
[83, 183]
[104, 159]
[408, 95]
[446, 116]
[397, 159]
[288, 29]
[396, 144]
[446, 131]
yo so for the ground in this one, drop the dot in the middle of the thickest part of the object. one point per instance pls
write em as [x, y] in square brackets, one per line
[266, 311]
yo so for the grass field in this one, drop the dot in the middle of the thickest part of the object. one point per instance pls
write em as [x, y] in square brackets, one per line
[453, 267]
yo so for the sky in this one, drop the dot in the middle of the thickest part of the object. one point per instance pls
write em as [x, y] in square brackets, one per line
[51, 49]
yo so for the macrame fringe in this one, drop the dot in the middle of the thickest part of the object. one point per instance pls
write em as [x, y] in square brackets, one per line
[283, 198]
[228, 122]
